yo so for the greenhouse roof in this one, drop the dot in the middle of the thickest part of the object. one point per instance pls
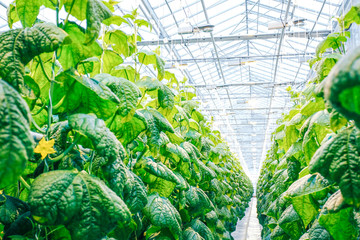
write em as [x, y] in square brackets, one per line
[242, 67]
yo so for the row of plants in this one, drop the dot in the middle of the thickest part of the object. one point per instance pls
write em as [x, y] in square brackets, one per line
[91, 148]
[309, 186]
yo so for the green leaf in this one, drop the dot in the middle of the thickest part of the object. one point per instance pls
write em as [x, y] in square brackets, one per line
[290, 222]
[79, 94]
[202, 229]
[177, 153]
[166, 97]
[162, 213]
[117, 20]
[127, 92]
[342, 86]
[115, 174]
[160, 170]
[149, 84]
[127, 72]
[84, 204]
[147, 58]
[126, 131]
[279, 234]
[163, 187]
[302, 193]
[191, 234]
[314, 130]
[338, 219]
[135, 195]
[75, 52]
[19, 46]
[104, 141]
[11, 208]
[199, 203]
[317, 232]
[118, 41]
[313, 106]
[96, 12]
[324, 66]
[110, 60]
[12, 16]
[338, 160]
[352, 16]
[155, 124]
[333, 40]
[77, 8]
[20, 227]
[16, 142]
[28, 11]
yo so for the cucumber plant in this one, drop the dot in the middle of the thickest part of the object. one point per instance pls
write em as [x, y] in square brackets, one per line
[310, 180]
[92, 148]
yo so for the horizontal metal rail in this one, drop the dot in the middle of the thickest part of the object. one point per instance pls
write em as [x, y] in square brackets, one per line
[302, 34]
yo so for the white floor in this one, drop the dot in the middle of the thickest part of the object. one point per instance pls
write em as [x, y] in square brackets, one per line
[249, 227]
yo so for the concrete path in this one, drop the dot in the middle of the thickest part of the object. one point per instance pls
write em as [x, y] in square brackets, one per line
[249, 227]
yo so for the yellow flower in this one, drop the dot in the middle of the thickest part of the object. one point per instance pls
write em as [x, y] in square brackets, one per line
[45, 147]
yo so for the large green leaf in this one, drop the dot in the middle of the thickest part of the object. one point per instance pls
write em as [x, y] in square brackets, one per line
[19, 46]
[135, 195]
[333, 41]
[177, 153]
[80, 94]
[119, 42]
[339, 160]
[316, 232]
[162, 213]
[314, 131]
[199, 203]
[352, 16]
[72, 54]
[160, 170]
[190, 234]
[155, 124]
[77, 8]
[202, 229]
[303, 194]
[290, 222]
[127, 92]
[84, 204]
[16, 142]
[28, 11]
[11, 208]
[149, 84]
[338, 218]
[96, 12]
[147, 57]
[342, 86]
[126, 131]
[110, 60]
[104, 141]
[166, 97]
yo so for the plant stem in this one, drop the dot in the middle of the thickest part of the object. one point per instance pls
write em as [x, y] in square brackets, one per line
[43, 69]
[57, 13]
[63, 154]
[39, 111]
[51, 91]
[67, 17]
[37, 126]
[142, 97]
[23, 182]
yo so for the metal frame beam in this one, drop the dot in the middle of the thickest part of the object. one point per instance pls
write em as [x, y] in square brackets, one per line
[301, 34]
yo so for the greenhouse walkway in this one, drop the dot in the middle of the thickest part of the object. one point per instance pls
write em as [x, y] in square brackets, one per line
[249, 227]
